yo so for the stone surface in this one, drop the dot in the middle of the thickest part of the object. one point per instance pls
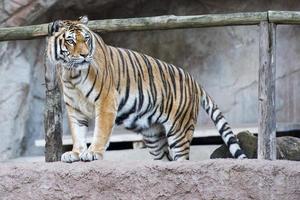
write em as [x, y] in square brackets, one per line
[212, 179]
[13, 122]
[288, 148]
[17, 62]
[224, 60]
[197, 153]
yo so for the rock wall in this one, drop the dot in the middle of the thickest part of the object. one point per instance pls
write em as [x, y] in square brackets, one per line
[211, 179]
[17, 63]
[224, 60]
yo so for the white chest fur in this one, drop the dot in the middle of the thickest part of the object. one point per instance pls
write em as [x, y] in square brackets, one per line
[74, 89]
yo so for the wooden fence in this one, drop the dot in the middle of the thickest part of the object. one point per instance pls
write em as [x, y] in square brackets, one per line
[267, 22]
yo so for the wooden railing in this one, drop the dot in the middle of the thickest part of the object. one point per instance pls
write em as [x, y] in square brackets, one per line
[267, 22]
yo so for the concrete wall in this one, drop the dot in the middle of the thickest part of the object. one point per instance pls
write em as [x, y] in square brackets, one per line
[224, 60]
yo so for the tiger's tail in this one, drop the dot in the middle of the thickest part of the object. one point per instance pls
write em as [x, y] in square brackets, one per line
[222, 125]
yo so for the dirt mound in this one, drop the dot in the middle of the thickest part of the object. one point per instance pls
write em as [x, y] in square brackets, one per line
[211, 179]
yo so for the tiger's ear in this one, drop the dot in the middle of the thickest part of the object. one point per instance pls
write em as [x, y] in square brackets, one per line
[84, 20]
[54, 27]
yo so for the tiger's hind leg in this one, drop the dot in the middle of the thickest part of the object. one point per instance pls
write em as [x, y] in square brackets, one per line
[179, 143]
[157, 143]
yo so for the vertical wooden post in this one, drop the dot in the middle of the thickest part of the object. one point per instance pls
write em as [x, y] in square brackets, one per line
[52, 115]
[266, 92]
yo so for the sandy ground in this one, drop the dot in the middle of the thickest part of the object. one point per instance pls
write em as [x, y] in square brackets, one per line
[197, 153]
[209, 179]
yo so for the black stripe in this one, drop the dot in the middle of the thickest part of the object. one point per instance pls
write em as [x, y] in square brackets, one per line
[152, 114]
[161, 107]
[76, 109]
[55, 48]
[160, 147]
[76, 76]
[206, 104]
[97, 97]
[230, 132]
[222, 128]
[179, 137]
[182, 111]
[123, 101]
[132, 64]
[83, 122]
[181, 155]
[160, 157]
[87, 74]
[219, 117]
[121, 118]
[148, 106]
[151, 141]
[172, 76]
[187, 148]
[238, 153]
[215, 108]
[162, 75]
[119, 74]
[182, 144]
[69, 87]
[122, 59]
[151, 81]
[231, 141]
[177, 142]
[69, 97]
[170, 108]
[87, 95]
[154, 154]
[60, 49]
[102, 84]
[139, 65]
[141, 94]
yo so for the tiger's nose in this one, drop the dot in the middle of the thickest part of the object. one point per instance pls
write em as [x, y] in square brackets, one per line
[84, 54]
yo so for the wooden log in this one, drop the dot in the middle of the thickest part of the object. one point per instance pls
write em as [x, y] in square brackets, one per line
[177, 22]
[284, 17]
[160, 23]
[23, 32]
[142, 24]
[266, 92]
[52, 115]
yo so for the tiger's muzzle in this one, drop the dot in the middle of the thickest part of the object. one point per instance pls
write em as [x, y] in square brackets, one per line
[79, 62]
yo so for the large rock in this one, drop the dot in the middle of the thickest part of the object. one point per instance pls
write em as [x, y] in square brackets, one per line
[288, 148]
[211, 179]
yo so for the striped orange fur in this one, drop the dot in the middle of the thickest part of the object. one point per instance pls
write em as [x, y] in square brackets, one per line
[117, 86]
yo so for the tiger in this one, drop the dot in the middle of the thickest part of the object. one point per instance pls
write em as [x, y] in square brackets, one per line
[118, 86]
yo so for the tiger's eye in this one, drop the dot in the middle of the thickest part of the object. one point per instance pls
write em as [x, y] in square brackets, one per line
[70, 41]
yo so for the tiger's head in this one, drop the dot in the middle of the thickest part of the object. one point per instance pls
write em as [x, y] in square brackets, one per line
[71, 43]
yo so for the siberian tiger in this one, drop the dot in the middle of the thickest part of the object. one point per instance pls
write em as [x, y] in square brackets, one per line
[118, 86]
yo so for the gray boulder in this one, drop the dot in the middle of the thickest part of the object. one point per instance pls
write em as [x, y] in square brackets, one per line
[288, 148]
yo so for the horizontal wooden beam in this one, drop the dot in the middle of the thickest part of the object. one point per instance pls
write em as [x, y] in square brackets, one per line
[160, 23]
[143, 24]
[177, 22]
[284, 17]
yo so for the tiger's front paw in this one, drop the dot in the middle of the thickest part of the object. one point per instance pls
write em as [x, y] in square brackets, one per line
[89, 155]
[70, 157]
